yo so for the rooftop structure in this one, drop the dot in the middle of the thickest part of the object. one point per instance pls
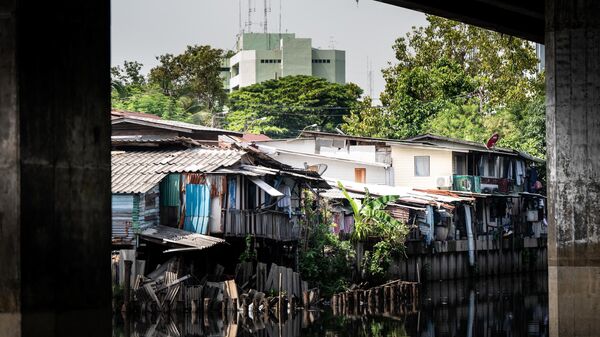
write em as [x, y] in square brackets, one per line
[266, 56]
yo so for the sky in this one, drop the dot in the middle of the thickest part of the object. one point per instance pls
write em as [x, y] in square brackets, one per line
[144, 29]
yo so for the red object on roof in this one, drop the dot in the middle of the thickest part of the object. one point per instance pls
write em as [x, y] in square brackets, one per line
[253, 137]
[492, 141]
[124, 113]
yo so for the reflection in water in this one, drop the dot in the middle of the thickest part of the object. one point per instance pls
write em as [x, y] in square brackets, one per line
[507, 307]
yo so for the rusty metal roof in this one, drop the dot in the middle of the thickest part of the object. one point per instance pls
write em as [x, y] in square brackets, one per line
[169, 124]
[139, 171]
[172, 236]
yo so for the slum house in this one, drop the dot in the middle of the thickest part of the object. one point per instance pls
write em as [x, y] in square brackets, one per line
[445, 241]
[504, 182]
[136, 125]
[462, 196]
[165, 195]
[359, 159]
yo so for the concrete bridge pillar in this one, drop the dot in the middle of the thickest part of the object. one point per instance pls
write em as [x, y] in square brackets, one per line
[55, 168]
[573, 136]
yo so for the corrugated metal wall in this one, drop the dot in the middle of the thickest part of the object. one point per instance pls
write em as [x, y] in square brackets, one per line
[169, 190]
[149, 207]
[125, 215]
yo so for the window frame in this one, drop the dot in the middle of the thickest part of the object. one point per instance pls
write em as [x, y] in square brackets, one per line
[428, 166]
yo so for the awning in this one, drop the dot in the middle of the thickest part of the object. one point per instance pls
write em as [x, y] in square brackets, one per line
[175, 237]
[266, 187]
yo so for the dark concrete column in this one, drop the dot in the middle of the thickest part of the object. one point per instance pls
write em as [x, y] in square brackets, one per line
[573, 136]
[9, 176]
[55, 168]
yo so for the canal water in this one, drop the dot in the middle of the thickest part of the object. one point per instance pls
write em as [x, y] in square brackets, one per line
[503, 306]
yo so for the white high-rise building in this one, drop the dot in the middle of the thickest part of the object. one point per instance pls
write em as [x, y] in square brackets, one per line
[265, 56]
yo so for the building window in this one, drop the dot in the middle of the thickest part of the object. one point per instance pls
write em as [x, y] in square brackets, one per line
[460, 164]
[421, 166]
[270, 61]
[360, 175]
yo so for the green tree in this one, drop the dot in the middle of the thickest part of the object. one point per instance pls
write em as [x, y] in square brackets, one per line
[195, 74]
[285, 106]
[504, 67]
[129, 75]
[413, 97]
[459, 81]
[150, 99]
[185, 87]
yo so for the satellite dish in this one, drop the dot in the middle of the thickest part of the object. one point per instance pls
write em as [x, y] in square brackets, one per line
[321, 168]
[491, 143]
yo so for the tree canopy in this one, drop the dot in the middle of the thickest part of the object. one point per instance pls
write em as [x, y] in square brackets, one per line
[185, 87]
[283, 107]
[460, 81]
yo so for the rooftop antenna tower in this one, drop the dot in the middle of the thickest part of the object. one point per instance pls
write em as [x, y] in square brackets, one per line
[251, 9]
[267, 4]
[280, 20]
[239, 17]
[370, 76]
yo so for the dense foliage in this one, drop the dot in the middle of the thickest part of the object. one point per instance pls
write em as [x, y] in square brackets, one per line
[371, 221]
[285, 106]
[185, 87]
[325, 260]
[461, 81]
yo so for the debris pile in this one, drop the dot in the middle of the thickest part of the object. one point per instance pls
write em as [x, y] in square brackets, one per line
[255, 289]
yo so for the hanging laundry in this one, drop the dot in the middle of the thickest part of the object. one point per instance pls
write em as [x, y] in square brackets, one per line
[430, 223]
[285, 202]
[532, 178]
[520, 172]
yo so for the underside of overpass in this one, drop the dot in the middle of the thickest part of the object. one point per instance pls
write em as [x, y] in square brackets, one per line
[522, 18]
[570, 31]
[55, 163]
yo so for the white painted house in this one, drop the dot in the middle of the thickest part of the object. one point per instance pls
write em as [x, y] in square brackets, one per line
[423, 162]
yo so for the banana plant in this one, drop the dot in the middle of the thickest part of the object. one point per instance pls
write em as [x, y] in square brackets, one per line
[370, 218]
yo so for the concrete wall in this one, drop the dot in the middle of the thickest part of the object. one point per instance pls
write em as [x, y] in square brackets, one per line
[296, 145]
[265, 70]
[334, 70]
[10, 229]
[261, 41]
[440, 165]
[296, 57]
[573, 145]
[246, 63]
[336, 169]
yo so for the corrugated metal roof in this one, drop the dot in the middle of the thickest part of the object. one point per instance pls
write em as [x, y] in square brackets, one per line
[138, 171]
[335, 193]
[182, 126]
[170, 236]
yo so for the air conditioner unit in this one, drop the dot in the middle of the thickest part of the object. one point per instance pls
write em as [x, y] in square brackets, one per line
[466, 183]
[489, 188]
[444, 182]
